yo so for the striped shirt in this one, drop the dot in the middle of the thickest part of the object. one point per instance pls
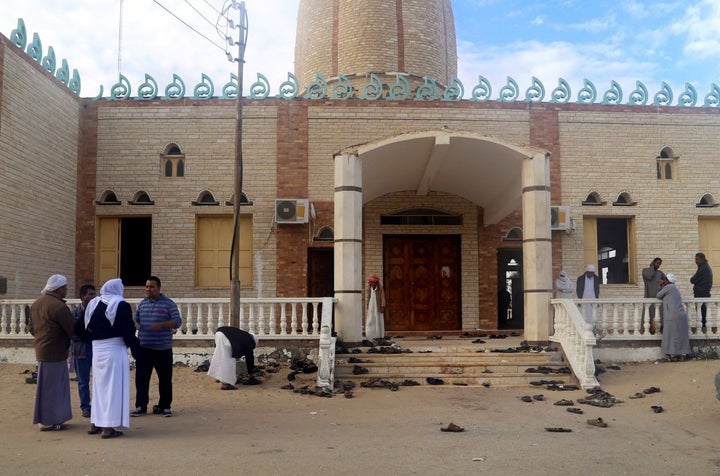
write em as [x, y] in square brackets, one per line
[150, 312]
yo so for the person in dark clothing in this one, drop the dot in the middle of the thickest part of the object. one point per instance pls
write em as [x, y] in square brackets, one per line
[81, 351]
[232, 343]
[702, 281]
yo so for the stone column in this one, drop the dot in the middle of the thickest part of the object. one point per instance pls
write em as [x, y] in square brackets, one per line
[537, 247]
[348, 248]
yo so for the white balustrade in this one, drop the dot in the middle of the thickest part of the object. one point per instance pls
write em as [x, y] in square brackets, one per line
[265, 317]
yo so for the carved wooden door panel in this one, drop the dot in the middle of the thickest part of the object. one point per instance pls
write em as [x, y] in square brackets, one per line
[422, 282]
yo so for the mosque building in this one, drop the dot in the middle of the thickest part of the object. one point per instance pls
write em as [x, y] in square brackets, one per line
[465, 200]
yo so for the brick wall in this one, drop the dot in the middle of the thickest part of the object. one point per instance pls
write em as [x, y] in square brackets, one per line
[39, 120]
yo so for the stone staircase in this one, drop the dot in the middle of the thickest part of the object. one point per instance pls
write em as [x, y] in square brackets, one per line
[454, 360]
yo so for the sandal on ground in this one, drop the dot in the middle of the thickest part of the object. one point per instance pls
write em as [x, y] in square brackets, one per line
[57, 427]
[564, 402]
[651, 390]
[575, 410]
[599, 422]
[227, 386]
[557, 430]
[113, 433]
[657, 408]
[94, 430]
[453, 428]
[637, 395]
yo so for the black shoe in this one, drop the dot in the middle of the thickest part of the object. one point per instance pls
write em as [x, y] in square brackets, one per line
[157, 410]
[139, 411]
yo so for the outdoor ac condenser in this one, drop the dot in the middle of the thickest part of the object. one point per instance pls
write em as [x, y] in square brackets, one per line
[291, 210]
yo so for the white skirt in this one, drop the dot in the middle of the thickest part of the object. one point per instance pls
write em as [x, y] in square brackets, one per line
[111, 384]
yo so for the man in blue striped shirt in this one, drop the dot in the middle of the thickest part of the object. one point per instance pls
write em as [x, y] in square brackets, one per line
[156, 319]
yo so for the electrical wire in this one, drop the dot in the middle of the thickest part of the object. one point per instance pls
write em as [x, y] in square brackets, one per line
[189, 26]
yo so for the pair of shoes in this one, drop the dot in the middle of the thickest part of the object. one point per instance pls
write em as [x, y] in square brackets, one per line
[564, 402]
[86, 413]
[227, 386]
[557, 430]
[657, 408]
[599, 422]
[166, 412]
[637, 395]
[56, 427]
[453, 428]
[113, 434]
[575, 410]
[138, 412]
[94, 430]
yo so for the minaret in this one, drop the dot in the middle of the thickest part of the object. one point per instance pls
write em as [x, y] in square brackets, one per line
[358, 37]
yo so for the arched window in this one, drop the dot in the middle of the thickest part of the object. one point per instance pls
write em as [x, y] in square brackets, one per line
[108, 197]
[141, 198]
[326, 233]
[514, 234]
[707, 201]
[243, 200]
[593, 199]
[666, 164]
[173, 161]
[624, 199]
[206, 198]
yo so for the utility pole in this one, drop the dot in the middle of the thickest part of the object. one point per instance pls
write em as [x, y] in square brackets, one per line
[242, 26]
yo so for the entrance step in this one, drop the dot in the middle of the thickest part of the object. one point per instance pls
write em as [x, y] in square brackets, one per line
[455, 361]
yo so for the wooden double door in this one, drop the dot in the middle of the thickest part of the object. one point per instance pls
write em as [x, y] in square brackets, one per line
[422, 282]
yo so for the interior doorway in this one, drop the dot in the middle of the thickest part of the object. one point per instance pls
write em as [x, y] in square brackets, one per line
[510, 288]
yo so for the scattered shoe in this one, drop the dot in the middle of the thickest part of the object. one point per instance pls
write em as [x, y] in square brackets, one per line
[526, 398]
[613, 367]
[557, 429]
[657, 409]
[251, 381]
[57, 427]
[637, 395]
[599, 422]
[485, 384]
[650, 390]
[575, 410]
[113, 434]
[434, 381]
[564, 402]
[453, 428]
[227, 386]
[138, 412]
[538, 398]
[348, 393]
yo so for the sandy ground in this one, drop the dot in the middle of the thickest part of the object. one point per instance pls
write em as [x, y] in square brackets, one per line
[264, 429]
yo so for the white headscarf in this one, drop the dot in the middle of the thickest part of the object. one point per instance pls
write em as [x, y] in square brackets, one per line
[54, 282]
[112, 295]
[671, 277]
[564, 279]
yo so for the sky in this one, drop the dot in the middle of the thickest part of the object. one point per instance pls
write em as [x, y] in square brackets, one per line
[672, 41]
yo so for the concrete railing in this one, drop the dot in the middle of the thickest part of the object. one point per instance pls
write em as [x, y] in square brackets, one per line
[580, 324]
[283, 319]
[276, 318]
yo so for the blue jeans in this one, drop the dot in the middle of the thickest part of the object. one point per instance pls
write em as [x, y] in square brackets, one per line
[82, 371]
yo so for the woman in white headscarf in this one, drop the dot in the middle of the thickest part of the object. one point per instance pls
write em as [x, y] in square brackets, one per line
[109, 325]
[675, 332]
[564, 286]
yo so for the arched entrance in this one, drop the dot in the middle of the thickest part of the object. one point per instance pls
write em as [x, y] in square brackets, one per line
[493, 178]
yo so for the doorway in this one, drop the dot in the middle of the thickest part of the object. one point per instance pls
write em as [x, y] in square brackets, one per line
[422, 282]
[320, 275]
[510, 288]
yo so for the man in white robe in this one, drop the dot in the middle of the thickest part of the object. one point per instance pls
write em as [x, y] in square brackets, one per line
[375, 319]
[232, 343]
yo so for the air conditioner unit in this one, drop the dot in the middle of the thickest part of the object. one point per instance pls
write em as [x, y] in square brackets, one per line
[559, 218]
[291, 210]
